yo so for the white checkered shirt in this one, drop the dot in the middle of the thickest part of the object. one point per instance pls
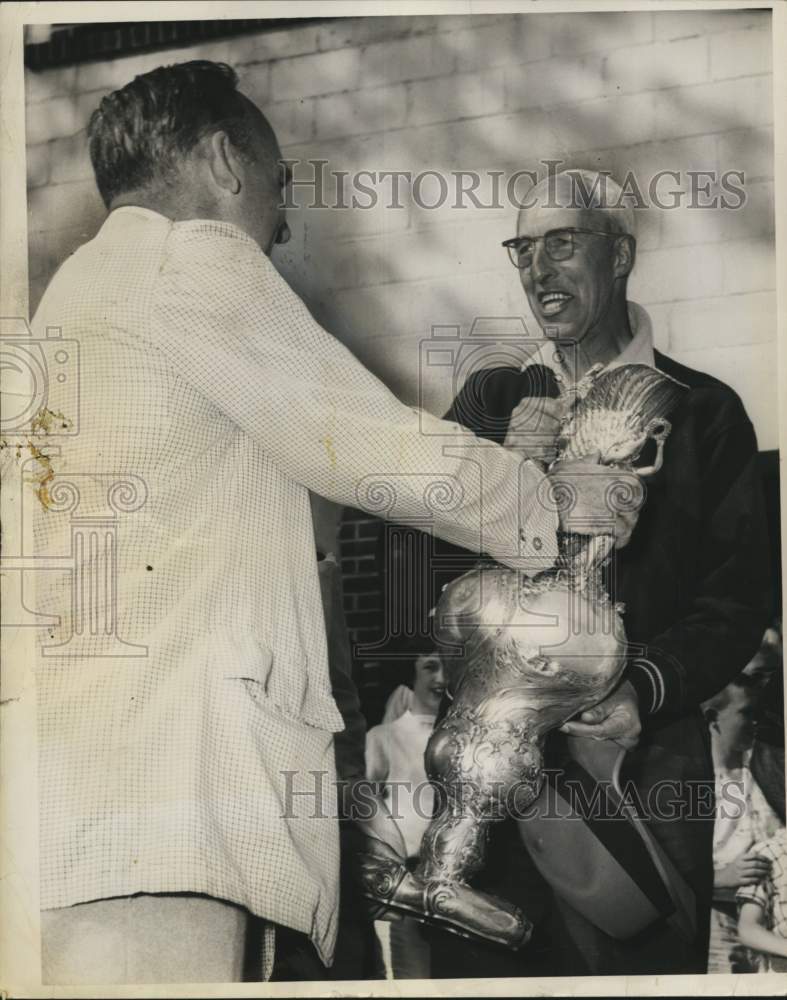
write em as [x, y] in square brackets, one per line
[770, 894]
[175, 693]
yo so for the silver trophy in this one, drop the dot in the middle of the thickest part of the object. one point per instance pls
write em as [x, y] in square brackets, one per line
[531, 654]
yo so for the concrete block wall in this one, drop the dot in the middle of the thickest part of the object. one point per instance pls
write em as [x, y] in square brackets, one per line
[671, 90]
[637, 91]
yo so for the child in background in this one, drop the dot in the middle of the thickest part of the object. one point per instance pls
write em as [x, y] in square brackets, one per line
[730, 716]
[395, 758]
[762, 923]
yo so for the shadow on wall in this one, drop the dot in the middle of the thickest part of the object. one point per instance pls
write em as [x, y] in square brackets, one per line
[637, 92]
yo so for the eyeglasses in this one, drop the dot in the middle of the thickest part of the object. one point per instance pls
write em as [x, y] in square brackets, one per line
[558, 243]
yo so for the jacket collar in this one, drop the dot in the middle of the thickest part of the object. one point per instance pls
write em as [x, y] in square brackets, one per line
[638, 351]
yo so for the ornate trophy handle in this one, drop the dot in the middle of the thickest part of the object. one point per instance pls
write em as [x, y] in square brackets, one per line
[659, 431]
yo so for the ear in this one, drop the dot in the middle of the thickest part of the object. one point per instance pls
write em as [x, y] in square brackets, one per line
[625, 255]
[223, 162]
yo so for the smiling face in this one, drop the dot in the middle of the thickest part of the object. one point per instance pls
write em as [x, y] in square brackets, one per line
[428, 684]
[571, 297]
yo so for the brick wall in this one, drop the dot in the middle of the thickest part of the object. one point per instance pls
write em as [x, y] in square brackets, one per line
[359, 544]
[620, 91]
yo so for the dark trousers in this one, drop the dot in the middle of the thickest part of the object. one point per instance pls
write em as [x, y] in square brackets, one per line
[672, 774]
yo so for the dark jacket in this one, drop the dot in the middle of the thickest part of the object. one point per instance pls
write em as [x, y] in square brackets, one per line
[694, 580]
[695, 576]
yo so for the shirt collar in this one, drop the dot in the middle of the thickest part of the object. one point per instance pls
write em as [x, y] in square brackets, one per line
[638, 351]
[119, 216]
[146, 213]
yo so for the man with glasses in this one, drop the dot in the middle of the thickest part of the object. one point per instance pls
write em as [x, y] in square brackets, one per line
[693, 576]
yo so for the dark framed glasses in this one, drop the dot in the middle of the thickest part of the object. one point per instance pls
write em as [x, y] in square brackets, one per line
[558, 243]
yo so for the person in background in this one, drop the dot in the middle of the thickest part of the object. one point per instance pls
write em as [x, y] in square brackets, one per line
[767, 759]
[399, 701]
[762, 922]
[395, 758]
[743, 817]
[768, 659]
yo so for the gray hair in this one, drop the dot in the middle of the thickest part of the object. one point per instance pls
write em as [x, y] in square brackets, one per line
[584, 189]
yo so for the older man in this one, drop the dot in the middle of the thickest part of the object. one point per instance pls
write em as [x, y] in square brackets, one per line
[693, 577]
[185, 710]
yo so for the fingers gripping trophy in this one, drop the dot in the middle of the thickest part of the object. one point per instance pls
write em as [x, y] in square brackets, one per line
[532, 653]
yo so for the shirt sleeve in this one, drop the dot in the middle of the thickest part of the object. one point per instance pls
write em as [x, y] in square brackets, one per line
[416, 572]
[760, 894]
[756, 894]
[728, 610]
[234, 329]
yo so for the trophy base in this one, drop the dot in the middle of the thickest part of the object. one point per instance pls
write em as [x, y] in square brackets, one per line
[451, 906]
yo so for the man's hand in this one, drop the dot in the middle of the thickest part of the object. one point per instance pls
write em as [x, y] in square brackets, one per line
[596, 499]
[747, 869]
[615, 718]
[533, 428]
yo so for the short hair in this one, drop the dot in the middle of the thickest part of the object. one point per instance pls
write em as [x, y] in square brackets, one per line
[138, 134]
[743, 681]
[576, 187]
